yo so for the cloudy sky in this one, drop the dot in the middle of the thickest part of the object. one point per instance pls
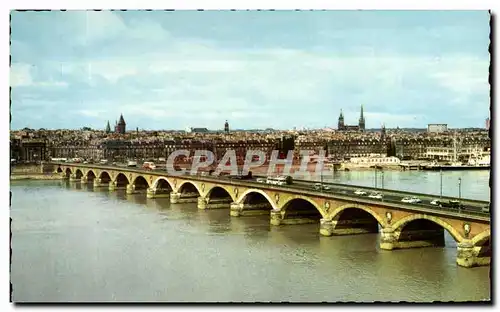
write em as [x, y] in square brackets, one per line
[283, 69]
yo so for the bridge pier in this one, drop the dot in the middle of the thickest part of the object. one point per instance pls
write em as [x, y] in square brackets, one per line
[469, 256]
[176, 198]
[347, 227]
[131, 189]
[278, 218]
[157, 193]
[241, 209]
[113, 186]
[326, 227]
[214, 203]
[84, 179]
[391, 239]
[98, 183]
[73, 178]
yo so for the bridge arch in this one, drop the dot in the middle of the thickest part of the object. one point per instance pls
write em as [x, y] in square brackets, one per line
[121, 180]
[105, 177]
[299, 206]
[59, 170]
[140, 183]
[481, 238]
[68, 172]
[90, 175]
[160, 182]
[243, 196]
[219, 191]
[337, 213]
[401, 224]
[482, 244]
[188, 187]
[78, 173]
[286, 204]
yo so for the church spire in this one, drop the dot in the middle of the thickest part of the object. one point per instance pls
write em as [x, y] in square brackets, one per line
[362, 120]
[340, 125]
[108, 128]
[121, 121]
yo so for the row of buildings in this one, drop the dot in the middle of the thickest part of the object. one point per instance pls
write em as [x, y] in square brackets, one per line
[34, 146]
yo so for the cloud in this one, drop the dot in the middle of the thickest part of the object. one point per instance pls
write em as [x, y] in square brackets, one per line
[20, 75]
[91, 113]
[175, 71]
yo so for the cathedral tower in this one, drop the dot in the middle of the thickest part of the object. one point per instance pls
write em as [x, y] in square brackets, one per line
[121, 126]
[361, 120]
[340, 125]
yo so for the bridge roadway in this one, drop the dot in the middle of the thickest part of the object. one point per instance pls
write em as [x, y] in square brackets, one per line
[469, 224]
[468, 206]
[394, 196]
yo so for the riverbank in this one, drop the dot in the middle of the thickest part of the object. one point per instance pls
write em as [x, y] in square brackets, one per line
[351, 167]
[35, 176]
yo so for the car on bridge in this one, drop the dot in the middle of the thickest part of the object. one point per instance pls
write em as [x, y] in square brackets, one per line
[436, 202]
[376, 195]
[319, 186]
[451, 204]
[279, 180]
[360, 192]
[149, 165]
[446, 204]
[411, 200]
[261, 180]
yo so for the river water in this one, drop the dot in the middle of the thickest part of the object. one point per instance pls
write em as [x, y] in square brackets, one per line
[71, 243]
[472, 185]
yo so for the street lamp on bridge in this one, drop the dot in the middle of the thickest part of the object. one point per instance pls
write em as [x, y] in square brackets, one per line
[382, 178]
[441, 183]
[459, 188]
[321, 179]
[382, 170]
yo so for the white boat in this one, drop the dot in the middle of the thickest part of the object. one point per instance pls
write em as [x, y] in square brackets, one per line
[481, 160]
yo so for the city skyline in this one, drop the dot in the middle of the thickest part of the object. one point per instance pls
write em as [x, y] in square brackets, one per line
[284, 69]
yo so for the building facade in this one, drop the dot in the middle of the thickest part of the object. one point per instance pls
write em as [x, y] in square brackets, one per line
[437, 128]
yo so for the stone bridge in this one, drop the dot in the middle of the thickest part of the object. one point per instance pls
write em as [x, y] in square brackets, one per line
[400, 225]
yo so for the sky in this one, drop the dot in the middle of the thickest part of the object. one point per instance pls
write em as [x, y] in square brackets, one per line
[281, 69]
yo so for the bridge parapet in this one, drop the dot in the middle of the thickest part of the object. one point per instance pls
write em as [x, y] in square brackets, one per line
[349, 187]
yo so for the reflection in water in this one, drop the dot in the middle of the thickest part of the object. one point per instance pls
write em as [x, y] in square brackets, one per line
[110, 246]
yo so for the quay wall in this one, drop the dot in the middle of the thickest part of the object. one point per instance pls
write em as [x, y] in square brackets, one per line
[23, 169]
[35, 176]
